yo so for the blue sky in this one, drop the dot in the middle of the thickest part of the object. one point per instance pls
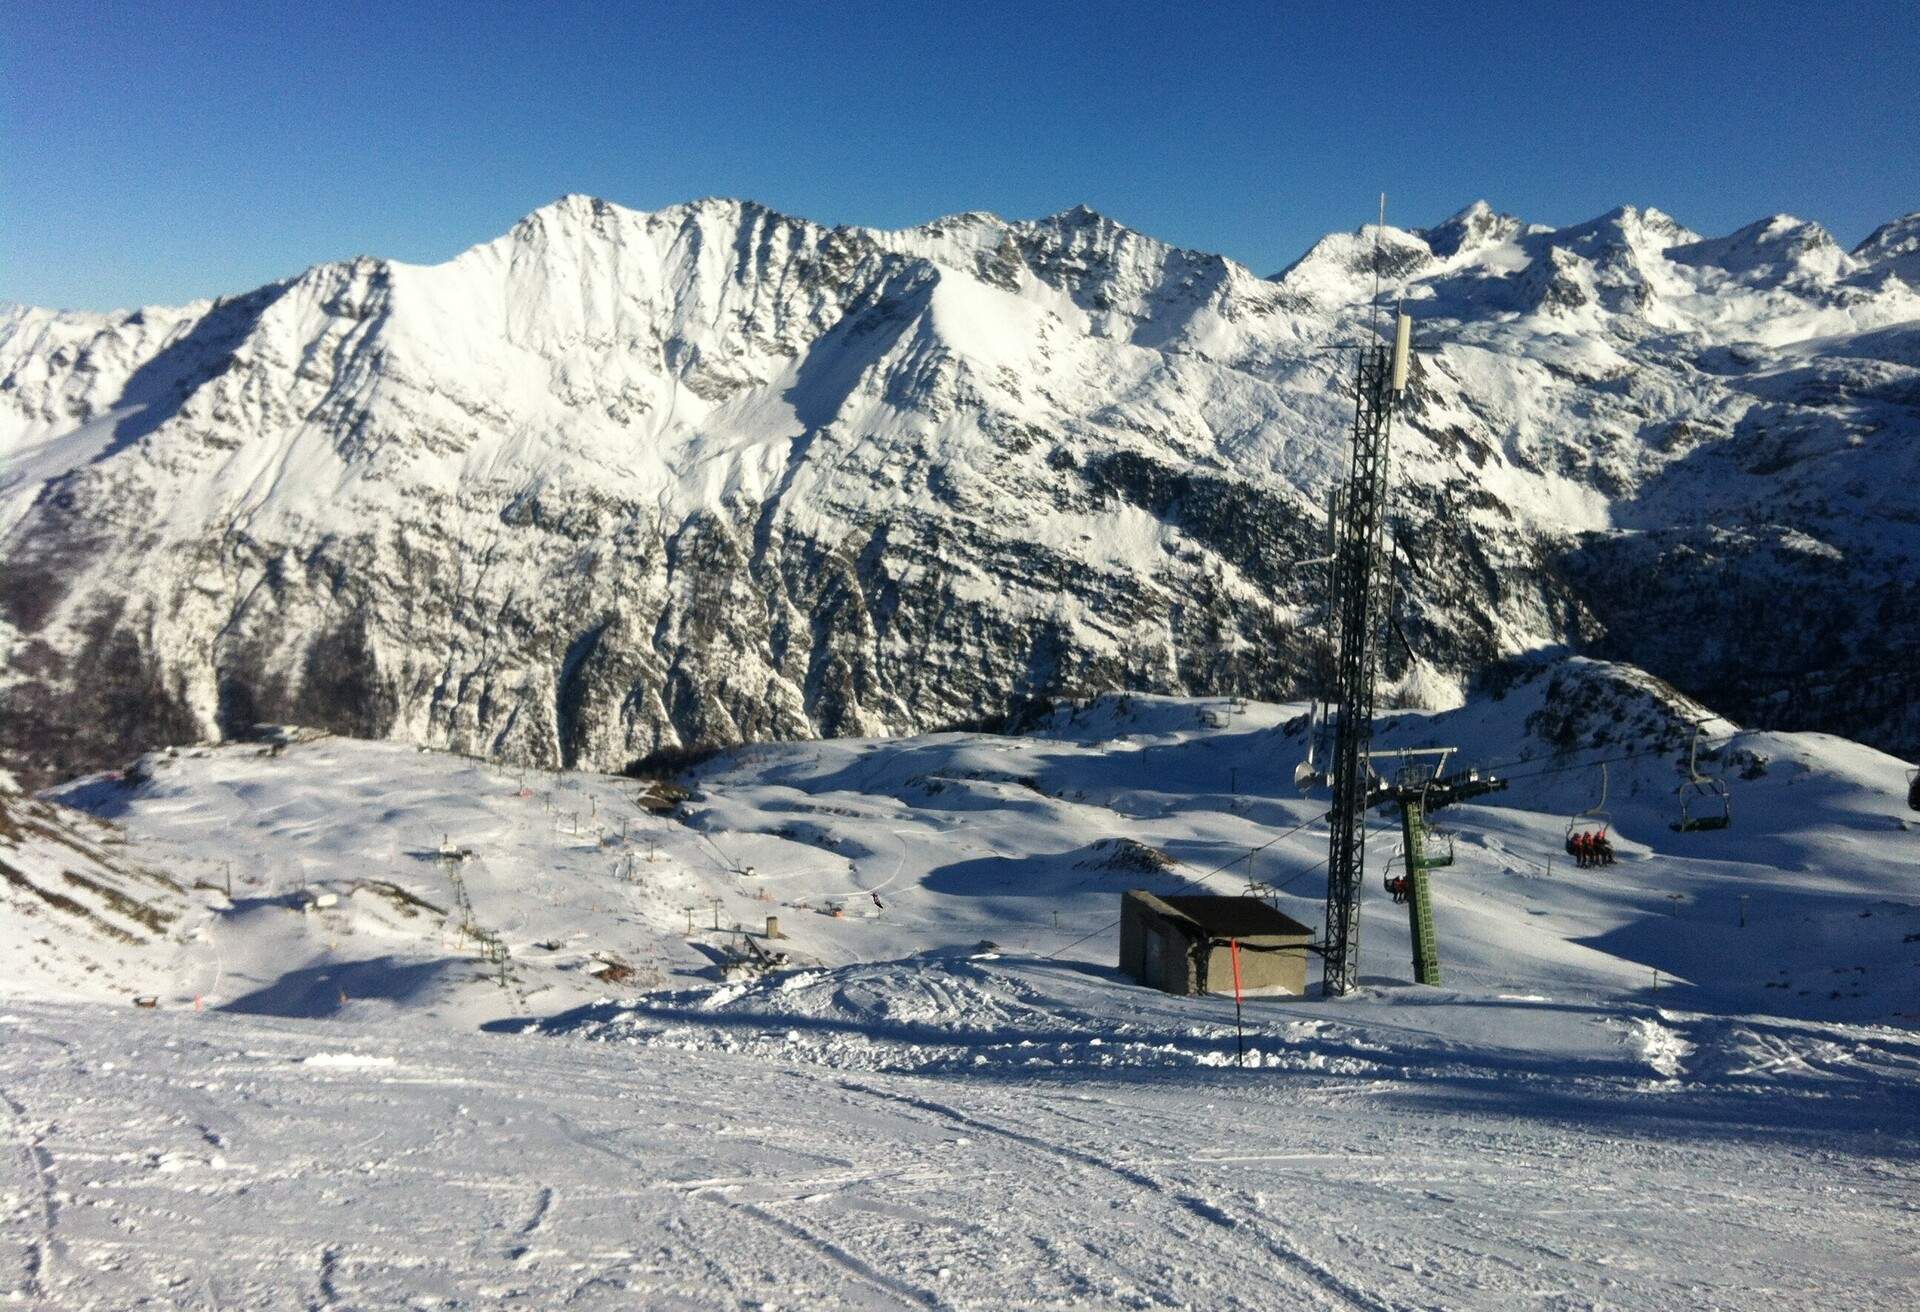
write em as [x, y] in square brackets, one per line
[154, 153]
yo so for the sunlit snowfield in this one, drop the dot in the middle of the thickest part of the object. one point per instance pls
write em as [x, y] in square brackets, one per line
[1622, 1097]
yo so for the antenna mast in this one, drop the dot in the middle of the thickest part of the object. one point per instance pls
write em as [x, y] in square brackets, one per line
[1359, 606]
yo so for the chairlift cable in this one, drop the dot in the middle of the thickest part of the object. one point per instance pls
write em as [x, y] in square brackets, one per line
[1195, 880]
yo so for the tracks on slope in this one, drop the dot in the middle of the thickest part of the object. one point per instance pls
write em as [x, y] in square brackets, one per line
[39, 1164]
[31, 1149]
[1315, 1278]
[786, 1231]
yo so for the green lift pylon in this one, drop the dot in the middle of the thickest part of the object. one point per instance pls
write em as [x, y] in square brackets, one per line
[1414, 834]
[1419, 790]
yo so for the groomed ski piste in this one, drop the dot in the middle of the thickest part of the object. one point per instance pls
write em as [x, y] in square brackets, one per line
[430, 1032]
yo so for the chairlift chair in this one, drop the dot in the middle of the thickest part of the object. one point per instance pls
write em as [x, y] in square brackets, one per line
[1306, 775]
[1594, 821]
[1704, 801]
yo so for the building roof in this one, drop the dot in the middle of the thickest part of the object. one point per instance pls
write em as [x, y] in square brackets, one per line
[1232, 917]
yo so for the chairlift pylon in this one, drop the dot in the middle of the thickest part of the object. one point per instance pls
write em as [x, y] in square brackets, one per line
[1704, 800]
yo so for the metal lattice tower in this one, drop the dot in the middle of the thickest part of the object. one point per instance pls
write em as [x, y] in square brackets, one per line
[1359, 602]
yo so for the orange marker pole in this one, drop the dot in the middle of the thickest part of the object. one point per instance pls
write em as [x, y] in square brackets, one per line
[1239, 1030]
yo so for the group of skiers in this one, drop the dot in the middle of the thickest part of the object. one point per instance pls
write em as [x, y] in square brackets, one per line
[1398, 887]
[1590, 849]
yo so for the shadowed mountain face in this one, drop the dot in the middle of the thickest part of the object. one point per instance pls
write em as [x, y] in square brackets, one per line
[618, 482]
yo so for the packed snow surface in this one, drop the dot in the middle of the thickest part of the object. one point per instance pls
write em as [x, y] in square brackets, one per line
[176, 1160]
[464, 1036]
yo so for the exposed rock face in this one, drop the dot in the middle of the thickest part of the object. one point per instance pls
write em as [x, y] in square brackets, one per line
[622, 481]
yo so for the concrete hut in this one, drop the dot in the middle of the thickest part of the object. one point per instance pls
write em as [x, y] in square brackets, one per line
[1181, 944]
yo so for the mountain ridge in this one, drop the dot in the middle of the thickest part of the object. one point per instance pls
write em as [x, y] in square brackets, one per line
[619, 481]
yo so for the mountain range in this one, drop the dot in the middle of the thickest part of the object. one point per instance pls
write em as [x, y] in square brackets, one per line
[620, 483]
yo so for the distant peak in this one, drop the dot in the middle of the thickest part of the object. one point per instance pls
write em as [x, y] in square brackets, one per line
[576, 203]
[577, 211]
[1651, 219]
[1768, 249]
[1478, 225]
[573, 208]
[1899, 237]
[1083, 216]
[1627, 225]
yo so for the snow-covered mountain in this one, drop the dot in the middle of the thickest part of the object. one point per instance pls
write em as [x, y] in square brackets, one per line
[621, 481]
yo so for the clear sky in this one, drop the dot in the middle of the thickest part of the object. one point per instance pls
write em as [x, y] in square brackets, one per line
[152, 153]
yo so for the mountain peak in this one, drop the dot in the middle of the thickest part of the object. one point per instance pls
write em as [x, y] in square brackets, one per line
[1767, 251]
[578, 209]
[1081, 215]
[1476, 226]
[1896, 244]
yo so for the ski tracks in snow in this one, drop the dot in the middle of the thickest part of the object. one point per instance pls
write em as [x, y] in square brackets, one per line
[718, 1195]
[1314, 1279]
[42, 1251]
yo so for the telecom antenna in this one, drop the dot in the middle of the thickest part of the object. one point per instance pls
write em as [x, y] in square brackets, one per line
[1380, 376]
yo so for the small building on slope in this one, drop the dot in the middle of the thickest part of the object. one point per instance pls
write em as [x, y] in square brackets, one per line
[1184, 944]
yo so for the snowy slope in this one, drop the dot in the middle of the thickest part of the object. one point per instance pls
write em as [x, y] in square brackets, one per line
[947, 1097]
[201, 1162]
[83, 912]
[882, 850]
[941, 844]
[619, 481]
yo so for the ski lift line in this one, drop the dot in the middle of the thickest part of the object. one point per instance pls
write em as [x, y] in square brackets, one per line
[1582, 765]
[1500, 767]
[1298, 875]
[1236, 860]
[1196, 881]
[1053, 955]
[726, 866]
[1585, 765]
